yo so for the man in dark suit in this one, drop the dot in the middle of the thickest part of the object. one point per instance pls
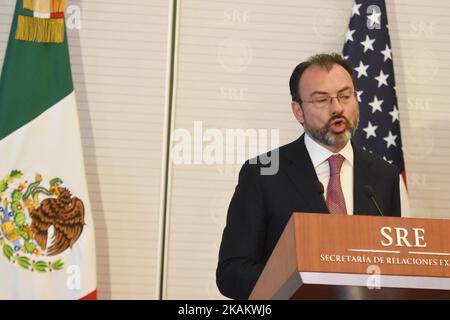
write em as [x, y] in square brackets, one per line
[321, 172]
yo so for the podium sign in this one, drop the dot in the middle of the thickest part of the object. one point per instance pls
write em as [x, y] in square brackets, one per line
[324, 256]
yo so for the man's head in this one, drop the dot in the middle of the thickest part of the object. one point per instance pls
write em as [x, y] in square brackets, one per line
[324, 99]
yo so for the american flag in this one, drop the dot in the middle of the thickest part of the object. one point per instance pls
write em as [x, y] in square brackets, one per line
[368, 48]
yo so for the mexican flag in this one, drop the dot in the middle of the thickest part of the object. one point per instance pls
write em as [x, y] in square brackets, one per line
[47, 243]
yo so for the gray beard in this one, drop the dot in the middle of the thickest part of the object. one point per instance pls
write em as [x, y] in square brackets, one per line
[325, 137]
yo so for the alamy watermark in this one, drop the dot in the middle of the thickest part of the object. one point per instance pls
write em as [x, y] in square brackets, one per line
[374, 279]
[213, 146]
[73, 277]
[73, 17]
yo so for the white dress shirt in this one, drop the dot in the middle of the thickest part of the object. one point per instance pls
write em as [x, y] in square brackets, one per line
[319, 156]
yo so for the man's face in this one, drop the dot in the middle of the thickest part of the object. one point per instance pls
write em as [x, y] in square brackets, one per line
[331, 124]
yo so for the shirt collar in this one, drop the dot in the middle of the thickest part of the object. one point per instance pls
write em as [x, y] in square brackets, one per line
[319, 153]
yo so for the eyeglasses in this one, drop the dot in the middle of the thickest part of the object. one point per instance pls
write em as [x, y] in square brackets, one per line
[323, 101]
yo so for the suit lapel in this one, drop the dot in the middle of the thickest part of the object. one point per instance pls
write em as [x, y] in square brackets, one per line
[362, 175]
[301, 172]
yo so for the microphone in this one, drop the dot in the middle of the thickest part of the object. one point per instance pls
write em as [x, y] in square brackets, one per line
[371, 194]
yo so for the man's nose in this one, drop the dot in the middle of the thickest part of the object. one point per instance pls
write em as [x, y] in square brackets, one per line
[335, 106]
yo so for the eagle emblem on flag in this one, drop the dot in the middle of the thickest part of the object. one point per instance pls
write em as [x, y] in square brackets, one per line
[31, 213]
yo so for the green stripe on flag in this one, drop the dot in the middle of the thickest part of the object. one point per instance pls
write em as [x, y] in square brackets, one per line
[35, 77]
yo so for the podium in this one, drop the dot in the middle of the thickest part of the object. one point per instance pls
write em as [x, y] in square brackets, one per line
[324, 256]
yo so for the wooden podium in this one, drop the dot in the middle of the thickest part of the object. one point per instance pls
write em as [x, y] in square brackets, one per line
[323, 256]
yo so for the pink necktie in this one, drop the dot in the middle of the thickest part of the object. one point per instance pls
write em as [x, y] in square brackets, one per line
[335, 197]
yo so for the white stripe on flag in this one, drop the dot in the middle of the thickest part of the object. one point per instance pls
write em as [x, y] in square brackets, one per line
[51, 146]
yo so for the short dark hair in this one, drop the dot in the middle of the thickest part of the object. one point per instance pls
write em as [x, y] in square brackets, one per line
[324, 60]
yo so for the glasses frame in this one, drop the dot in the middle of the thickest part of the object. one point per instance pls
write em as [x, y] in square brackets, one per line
[330, 100]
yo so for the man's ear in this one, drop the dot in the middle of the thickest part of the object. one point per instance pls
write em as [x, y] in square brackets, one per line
[297, 111]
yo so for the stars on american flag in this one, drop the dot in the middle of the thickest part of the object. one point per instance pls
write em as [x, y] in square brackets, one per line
[362, 69]
[368, 48]
[387, 53]
[368, 43]
[394, 114]
[349, 35]
[376, 104]
[390, 139]
[382, 79]
[370, 130]
[355, 9]
[359, 94]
